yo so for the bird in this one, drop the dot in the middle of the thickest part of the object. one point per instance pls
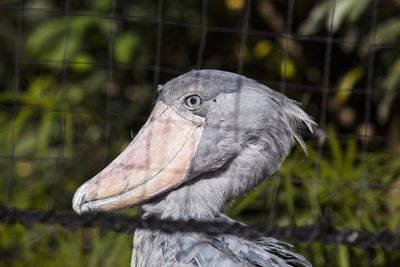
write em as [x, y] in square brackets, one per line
[212, 136]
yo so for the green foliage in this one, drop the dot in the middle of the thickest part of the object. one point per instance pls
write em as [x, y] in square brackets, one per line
[348, 18]
[342, 11]
[44, 43]
[347, 82]
[56, 246]
[125, 47]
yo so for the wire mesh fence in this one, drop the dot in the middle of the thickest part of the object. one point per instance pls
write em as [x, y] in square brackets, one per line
[79, 79]
[121, 223]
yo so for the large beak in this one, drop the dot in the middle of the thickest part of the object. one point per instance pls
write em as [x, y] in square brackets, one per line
[157, 160]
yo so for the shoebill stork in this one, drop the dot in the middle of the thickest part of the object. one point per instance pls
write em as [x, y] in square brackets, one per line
[212, 136]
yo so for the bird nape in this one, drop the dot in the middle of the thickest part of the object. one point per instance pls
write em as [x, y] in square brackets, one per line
[212, 136]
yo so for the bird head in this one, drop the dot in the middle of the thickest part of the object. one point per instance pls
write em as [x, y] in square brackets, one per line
[203, 124]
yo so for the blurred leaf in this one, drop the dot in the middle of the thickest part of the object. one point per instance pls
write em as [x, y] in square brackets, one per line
[23, 169]
[69, 134]
[393, 200]
[335, 149]
[288, 68]
[343, 255]
[386, 32]
[313, 22]
[344, 10]
[346, 84]
[20, 120]
[349, 10]
[350, 156]
[49, 32]
[235, 5]
[45, 131]
[290, 196]
[341, 10]
[262, 49]
[75, 94]
[48, 40]
[357, 9]
[103, 5]
[81, 62]
[37, 92]
[125, 47]
[391, 84]
[392, 80]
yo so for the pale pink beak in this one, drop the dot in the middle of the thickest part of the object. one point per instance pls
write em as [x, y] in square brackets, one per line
[157, 160]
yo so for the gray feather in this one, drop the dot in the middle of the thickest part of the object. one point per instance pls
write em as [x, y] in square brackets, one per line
[193, 249]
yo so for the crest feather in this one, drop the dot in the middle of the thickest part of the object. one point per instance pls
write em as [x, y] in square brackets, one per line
[299, 121]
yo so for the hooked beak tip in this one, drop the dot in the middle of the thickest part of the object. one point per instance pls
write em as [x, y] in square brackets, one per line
[79, 200]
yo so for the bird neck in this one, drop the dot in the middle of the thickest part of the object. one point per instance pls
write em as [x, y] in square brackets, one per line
[200, 200]
[204, 197]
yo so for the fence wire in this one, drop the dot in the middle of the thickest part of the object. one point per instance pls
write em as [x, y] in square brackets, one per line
[120, 223]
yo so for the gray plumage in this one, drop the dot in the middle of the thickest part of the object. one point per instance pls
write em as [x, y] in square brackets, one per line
[155, 248]
[249, 129]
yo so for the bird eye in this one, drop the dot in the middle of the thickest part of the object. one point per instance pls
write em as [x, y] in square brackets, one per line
[193, 101]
